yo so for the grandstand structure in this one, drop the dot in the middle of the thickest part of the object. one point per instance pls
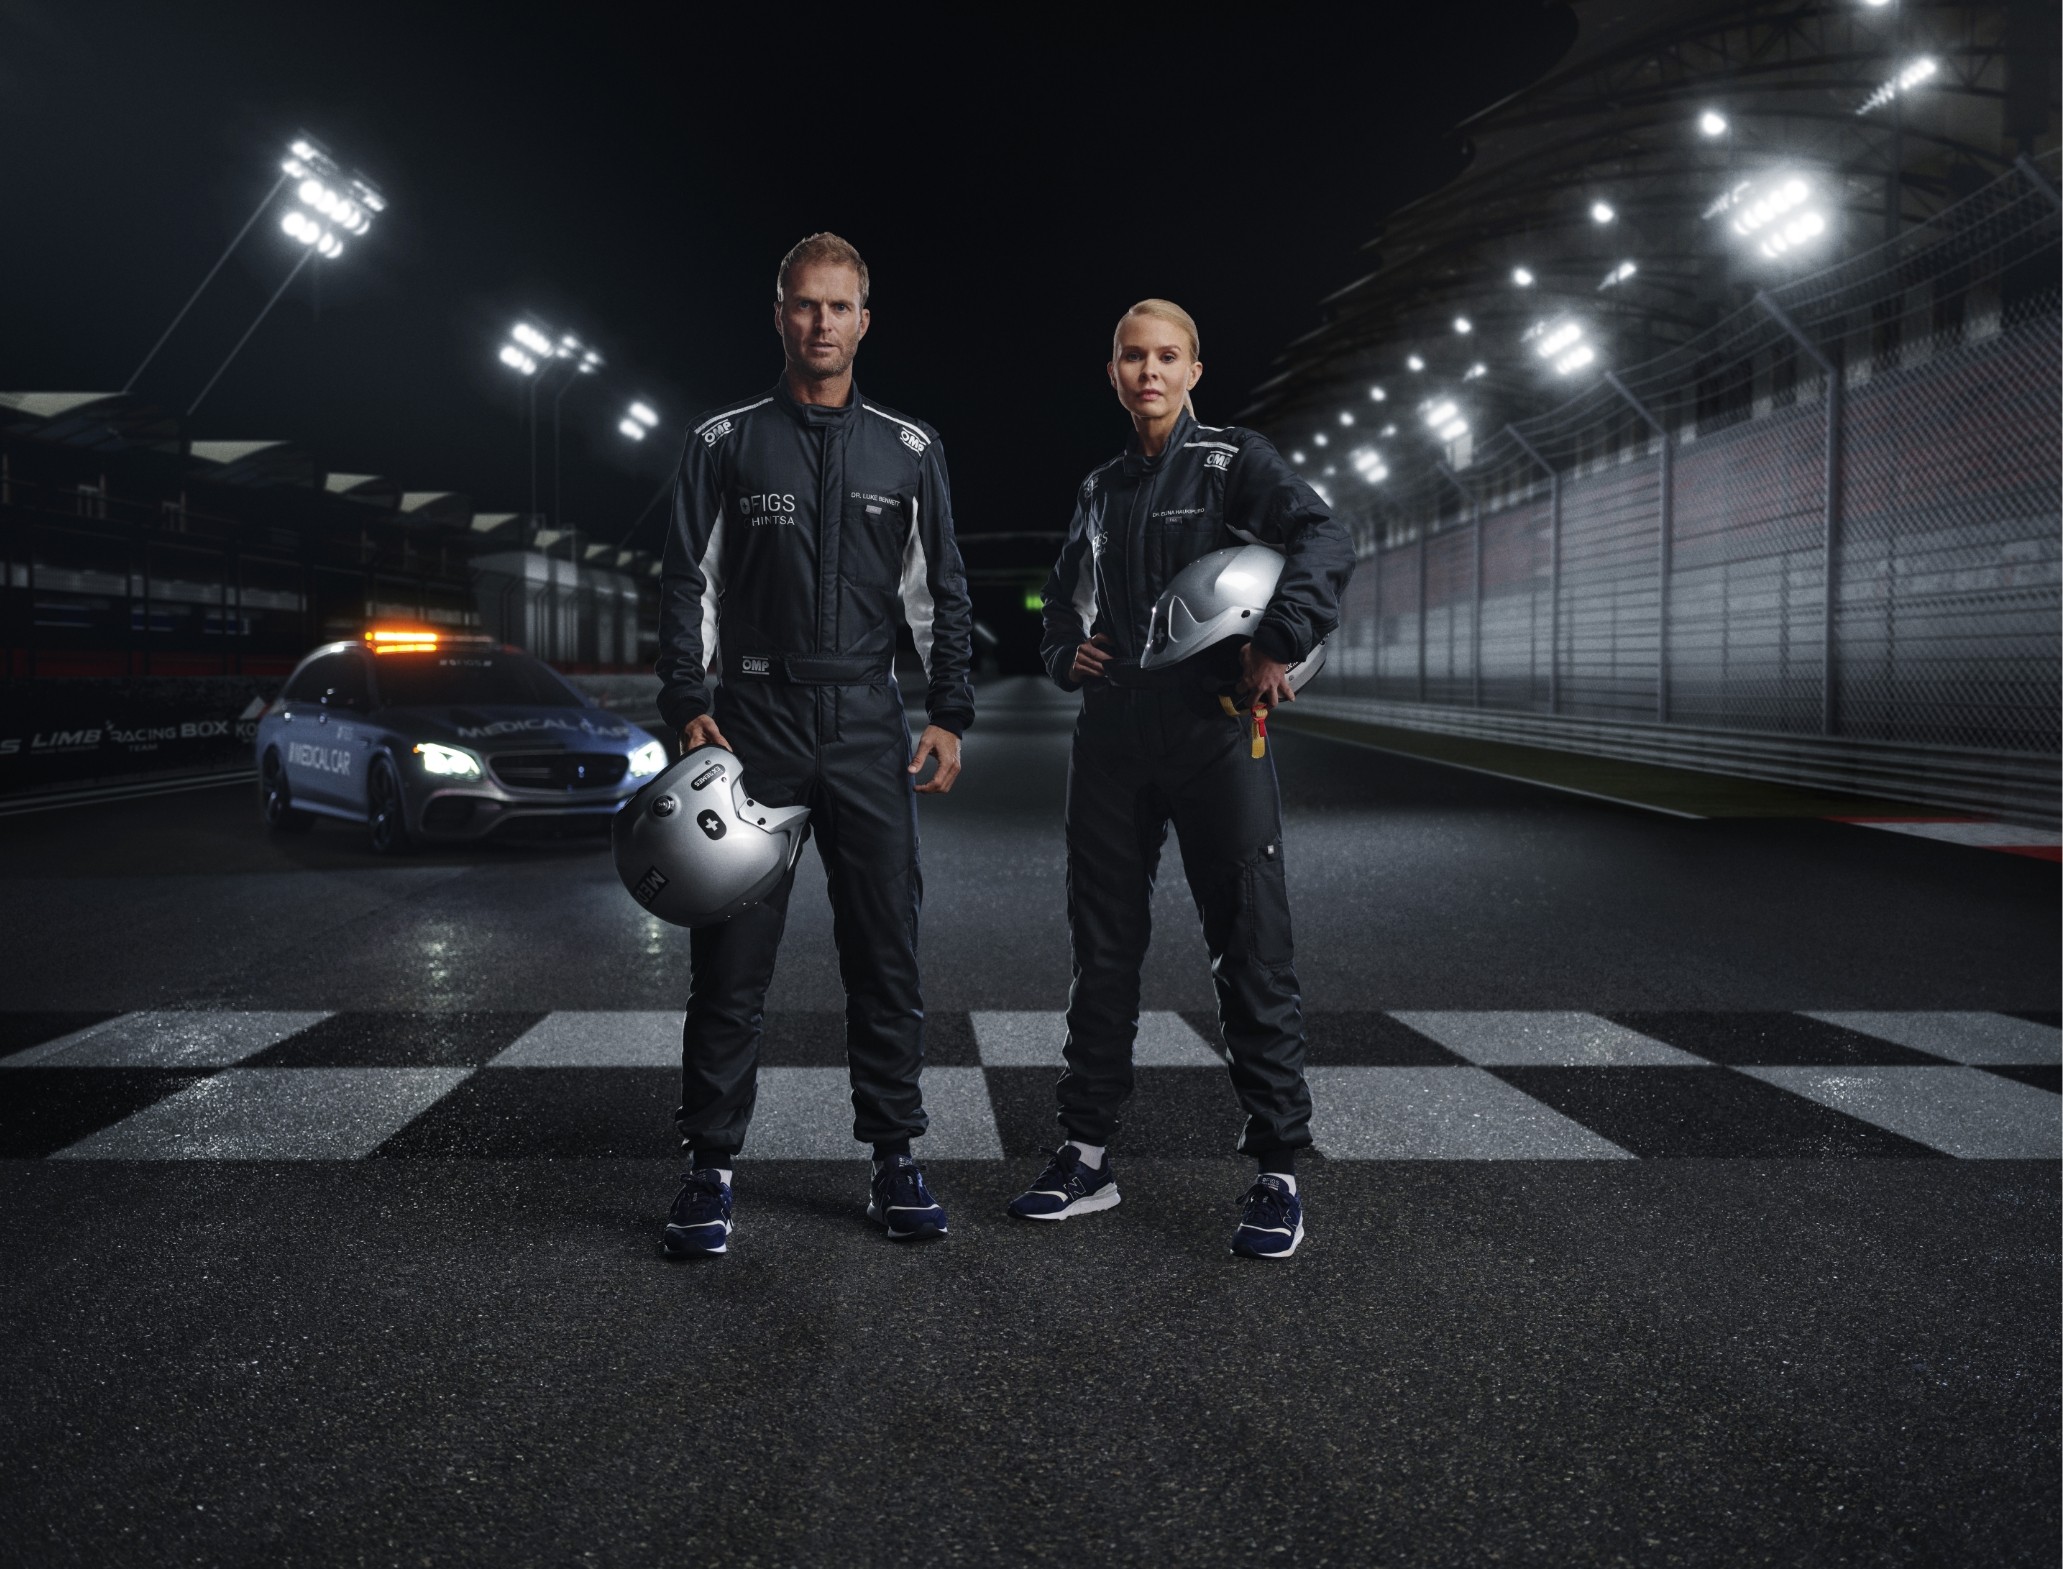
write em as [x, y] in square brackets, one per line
[130, 548]
[1710, 416]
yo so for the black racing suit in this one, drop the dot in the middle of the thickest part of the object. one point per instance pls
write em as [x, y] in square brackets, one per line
[1154, 746]
[797, 531]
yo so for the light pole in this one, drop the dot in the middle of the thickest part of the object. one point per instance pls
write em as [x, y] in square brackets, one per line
[331, 206]
[589, 362]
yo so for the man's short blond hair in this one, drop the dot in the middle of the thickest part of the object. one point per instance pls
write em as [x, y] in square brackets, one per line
[817, 250]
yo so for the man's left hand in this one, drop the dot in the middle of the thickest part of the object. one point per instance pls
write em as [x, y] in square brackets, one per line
[945, 746]
[1262, 680]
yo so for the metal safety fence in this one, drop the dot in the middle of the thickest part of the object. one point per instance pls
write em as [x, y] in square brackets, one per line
[1832, 516]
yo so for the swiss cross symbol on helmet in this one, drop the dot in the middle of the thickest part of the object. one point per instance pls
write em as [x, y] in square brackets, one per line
[710, 824]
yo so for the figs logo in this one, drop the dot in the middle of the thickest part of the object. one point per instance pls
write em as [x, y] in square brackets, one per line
[649, 886]
[710, 824]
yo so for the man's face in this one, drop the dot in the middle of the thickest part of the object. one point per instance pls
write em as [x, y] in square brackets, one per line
[820, 319]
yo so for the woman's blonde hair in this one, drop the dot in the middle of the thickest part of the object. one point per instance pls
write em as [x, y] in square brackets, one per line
[1167, 311]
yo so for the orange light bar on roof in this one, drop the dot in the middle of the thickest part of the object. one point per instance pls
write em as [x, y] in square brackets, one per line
[401, 640]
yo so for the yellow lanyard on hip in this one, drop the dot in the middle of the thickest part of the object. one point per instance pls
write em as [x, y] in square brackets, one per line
[1257, 723]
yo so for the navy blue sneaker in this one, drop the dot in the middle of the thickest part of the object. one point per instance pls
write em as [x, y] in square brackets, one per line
[899, 1200]
[700, 1224]
[1271, 1220]
[1067, 1188]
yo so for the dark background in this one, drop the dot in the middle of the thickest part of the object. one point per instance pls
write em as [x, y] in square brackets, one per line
[633, 173]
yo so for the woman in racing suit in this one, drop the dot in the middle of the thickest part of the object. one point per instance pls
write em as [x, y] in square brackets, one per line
[1161, 746]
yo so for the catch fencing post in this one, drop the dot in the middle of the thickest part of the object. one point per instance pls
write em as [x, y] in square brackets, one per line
[1475, 615]
[1554, 568]
[1664, 509]
[1830, 543]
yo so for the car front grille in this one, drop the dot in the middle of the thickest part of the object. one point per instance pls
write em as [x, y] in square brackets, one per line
[559, 770]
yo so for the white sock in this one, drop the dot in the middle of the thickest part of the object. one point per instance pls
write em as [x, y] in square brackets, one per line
[723, 1175]
[1283, 1177]
[1092, 1154]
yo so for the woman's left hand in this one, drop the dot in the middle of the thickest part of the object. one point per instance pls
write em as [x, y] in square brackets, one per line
[1262, 680]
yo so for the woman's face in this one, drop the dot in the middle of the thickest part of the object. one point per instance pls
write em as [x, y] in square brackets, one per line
[1151, 367]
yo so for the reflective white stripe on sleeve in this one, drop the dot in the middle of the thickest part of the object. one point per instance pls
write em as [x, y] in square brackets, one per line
[712, 590]
[919, 608]
[1085, 589]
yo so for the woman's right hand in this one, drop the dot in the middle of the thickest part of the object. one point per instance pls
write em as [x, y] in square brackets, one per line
[1091, 657]
[702, 731]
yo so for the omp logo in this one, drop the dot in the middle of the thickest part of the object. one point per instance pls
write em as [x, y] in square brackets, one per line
[721, 428]
[1217, 460]
[755, 665]
[648, 886]
[323, 759]
[913, 441]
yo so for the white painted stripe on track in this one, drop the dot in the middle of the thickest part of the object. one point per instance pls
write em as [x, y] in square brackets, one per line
[1034, 1040]
[168, 1038]
[1964, 1112]
[1512, 1039]
[592, 1039]
[95, 794]
[1441, 1114]
[275, 1114]
[1492, 773]
[1988, 1040]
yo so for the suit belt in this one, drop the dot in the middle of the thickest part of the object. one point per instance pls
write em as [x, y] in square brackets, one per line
[811, 669]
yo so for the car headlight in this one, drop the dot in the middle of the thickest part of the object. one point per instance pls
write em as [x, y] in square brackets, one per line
[451, 761]
[647, 759]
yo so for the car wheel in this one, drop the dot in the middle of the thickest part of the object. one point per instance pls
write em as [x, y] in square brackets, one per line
[276, 801]
[386, 817]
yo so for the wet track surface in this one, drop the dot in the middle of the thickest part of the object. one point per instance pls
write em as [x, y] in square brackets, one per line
[333, 1188]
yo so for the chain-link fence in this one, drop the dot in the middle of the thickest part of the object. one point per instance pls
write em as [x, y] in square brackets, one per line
[1833, 514]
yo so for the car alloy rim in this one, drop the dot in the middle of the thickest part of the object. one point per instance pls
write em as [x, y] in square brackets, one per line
[386, 801]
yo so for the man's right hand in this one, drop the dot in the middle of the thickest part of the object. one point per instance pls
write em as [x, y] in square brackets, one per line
[702, 731]
[1091, 657]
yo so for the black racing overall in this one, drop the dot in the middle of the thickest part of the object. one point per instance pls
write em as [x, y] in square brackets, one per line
[798, 533]
[1156, 747]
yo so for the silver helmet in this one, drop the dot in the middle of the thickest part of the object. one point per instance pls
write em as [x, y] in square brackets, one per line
[1219, 596]
[694, 848]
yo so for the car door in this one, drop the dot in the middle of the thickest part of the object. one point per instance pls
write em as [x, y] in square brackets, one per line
[318, 750]
[347, 701]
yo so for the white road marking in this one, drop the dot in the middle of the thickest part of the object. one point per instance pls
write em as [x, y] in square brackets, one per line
[274, 1114]
[1441, 1114]
[1988, 1040]
[577, 1039]
[1033, 1040]
[1964, 1112]
[171, 1038]
[1545, 1040]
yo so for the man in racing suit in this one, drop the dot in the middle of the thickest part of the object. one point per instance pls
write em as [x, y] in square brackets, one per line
[802, 519]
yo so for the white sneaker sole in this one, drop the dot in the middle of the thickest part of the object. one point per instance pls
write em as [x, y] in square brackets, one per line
[677, 1245]
[874, 1214]
[1294, 1243]
[1088, 1205]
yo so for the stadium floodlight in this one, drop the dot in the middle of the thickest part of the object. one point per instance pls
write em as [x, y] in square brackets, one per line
[1522, 276]
[1320, 440]
[1415, 362]
[1712, 123]
[631, 428]
[517, 360]
[347, 203]
[1475, 372]
[1346, 417]
[1445, 419]
[531, 339]
[1369, 465]
[1602, 212]
[1904, 82]
[1389, 430]
[1464, 326]
[1776, 214]
[1876, 5]
[1297, 458]
[590, 362]
[1377, 395]
[1618, 275]
[1562, 344]
[642, 413]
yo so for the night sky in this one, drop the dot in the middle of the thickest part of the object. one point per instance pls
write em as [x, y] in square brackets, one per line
[633, 173]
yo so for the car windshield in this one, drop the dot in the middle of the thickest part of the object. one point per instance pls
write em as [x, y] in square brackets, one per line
[470, 678]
